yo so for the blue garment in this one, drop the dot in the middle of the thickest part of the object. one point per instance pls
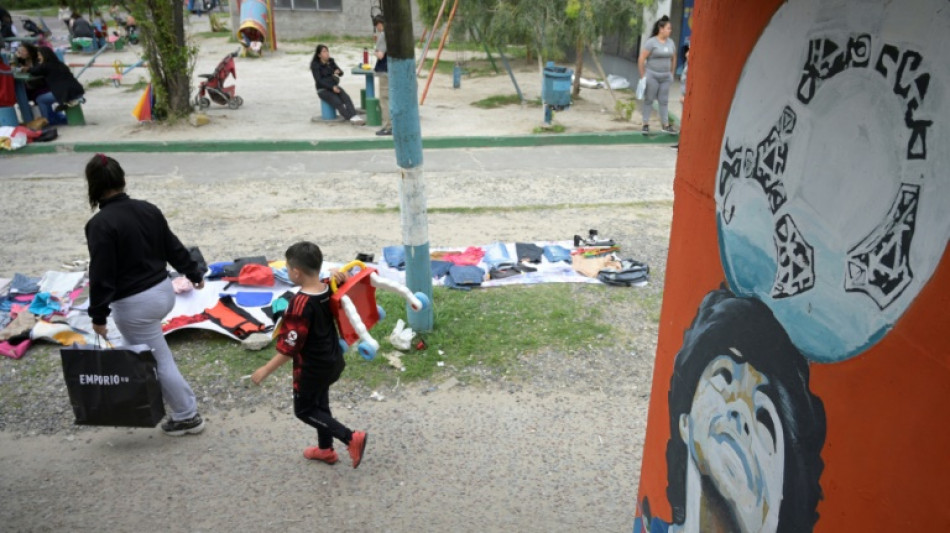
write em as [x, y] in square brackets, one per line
[44, 304]
[656, 525]
[439, 268]
[555, 253]
[280, 274]
[22, 284]
[216, 270]
[395, 256]
[496, 254]
[464, 277]
[47, 102]
[251, 298]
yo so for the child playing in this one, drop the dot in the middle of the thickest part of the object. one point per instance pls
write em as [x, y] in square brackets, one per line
[308, 336]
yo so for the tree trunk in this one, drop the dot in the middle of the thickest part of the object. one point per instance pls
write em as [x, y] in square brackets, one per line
[578, 68]
[170, 60]
[593, 55]
[179, 80]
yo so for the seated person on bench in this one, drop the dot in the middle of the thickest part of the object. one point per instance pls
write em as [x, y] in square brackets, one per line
[81, 28]
[327, 77]
[65, 90]
[28, 56]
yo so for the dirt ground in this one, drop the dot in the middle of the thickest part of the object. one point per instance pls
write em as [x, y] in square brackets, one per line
[280, 99]
[557, 453]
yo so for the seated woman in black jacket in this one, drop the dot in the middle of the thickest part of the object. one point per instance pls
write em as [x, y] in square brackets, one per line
[327, 77]
[63, 86]
[28, 56]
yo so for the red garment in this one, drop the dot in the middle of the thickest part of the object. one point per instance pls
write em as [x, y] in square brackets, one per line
[7, 88]
[182, 321]
[472, 256]
[252, 274]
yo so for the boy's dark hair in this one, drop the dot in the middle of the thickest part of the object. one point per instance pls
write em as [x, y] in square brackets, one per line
[103, 175]
[306, 256]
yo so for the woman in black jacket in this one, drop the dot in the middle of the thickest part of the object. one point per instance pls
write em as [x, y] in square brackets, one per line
[130, 247]
[63, 86]
[327, 77]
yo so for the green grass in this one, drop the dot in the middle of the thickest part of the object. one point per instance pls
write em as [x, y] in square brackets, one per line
[499, 100]
[485, 328]
[470, 69]
[554, 128]
[101, 82]
[211, 34]
[382, 209]
[328, 39]
[137, 86]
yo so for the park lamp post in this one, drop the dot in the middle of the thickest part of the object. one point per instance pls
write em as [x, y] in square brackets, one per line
[407, 137]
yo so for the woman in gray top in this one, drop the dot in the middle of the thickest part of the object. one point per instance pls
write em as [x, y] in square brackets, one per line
[657, 64]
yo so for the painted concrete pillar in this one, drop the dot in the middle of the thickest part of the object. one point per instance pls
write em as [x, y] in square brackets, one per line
[407, 136]
[802, 370]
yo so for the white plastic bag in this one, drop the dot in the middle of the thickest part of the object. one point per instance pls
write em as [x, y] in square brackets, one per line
[617, 82]
[641, 88]
[401, 337]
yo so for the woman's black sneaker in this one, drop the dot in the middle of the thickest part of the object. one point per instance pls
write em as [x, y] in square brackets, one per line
[178, 428]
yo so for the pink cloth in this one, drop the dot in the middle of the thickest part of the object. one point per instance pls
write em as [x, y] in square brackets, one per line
[472, 256]
[182, 284]
[15, 351]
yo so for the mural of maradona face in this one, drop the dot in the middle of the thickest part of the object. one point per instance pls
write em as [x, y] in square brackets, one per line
[745, 431]
[736, 441]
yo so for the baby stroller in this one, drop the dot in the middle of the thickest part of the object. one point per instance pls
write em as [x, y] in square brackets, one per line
[212, 89]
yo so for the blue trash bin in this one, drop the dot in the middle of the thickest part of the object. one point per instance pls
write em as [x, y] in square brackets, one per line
[556, 89]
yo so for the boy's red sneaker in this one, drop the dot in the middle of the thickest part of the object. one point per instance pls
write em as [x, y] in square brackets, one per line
[328, 456]
[356, 446]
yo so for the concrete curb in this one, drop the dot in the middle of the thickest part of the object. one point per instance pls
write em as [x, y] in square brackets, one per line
[342, 145]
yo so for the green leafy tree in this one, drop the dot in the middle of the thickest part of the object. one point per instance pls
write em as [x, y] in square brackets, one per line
[170, 58]
[588, 21]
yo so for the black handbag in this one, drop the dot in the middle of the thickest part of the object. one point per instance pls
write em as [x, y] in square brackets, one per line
[113, 386]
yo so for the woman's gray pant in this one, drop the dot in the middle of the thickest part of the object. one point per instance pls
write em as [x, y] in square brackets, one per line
[139, 319]
[658, 88]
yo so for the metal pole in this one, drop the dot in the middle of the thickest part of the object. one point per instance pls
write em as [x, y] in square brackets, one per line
[511, 74]
[435, 28]
[435, 62]
[273, 25]
[407, 137]
[485, 46]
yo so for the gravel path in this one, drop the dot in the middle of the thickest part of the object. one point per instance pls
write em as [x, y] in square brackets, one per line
[553, 445]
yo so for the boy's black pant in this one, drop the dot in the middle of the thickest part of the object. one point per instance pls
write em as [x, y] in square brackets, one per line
[341, 102]
[312, 406]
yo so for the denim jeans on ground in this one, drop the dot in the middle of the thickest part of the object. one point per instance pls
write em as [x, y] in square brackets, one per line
[464, 277]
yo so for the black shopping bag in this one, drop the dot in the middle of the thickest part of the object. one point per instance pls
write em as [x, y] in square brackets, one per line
[113, 386]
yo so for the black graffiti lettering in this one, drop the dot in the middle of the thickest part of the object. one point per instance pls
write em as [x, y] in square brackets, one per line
[891, 52]
[917, 144]
[859, 51]
[731, 167]
[771, 156]
[788, 121]
[910, 62]
[879, 266]
[795, 258]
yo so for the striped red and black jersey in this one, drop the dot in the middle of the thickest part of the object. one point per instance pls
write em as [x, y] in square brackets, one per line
[308, 334]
